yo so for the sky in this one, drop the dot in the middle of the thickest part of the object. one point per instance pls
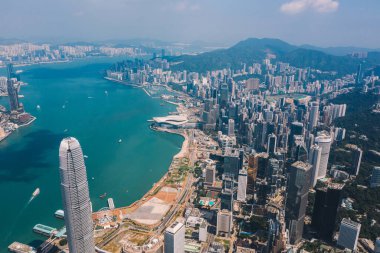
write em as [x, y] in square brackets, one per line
[316, 22]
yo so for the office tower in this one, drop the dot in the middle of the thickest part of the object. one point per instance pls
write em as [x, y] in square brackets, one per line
[272, 144]
[226, 199]
[231, 127]
[348, 234]
[13, 95]
[323, 140]
[296, 128]
[174, 238]
[315, 160]
[242, 186]
[224, 222]
[377, 245]
[357, 154]
[375, 178]
[359, 75]
[231, 162]
[296, 202]
[10, 71]
[327, 200]
[224, 95]
[251, 173]
[76, 199]
[210, 174]
[314, 114]
[202, 235]
[3, 85]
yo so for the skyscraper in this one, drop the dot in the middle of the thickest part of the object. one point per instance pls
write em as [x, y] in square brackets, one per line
[175, 238]
[242, 185]
[272, 144]
[224, 222]
[315, 160]
[375, 177]
[231, 127]
[327, 200]
[323, 140]
[76, 199]
[348, 234]
[13, 95]
[296, 202]
[357, 154]
[314, 114]
[11, 89]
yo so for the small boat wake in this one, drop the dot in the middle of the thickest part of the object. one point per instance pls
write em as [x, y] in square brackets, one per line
[13, 226]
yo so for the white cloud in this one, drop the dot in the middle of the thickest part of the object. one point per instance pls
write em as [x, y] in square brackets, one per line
[322, 6]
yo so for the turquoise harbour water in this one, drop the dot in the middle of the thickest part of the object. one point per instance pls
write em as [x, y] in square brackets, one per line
[72, 97]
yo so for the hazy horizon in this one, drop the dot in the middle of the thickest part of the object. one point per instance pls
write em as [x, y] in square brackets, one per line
[323, 23]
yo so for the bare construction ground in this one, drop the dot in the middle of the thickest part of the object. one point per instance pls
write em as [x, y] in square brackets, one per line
[151, 211]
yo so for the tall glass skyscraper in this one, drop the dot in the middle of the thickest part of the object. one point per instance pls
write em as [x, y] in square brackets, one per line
[76, 199]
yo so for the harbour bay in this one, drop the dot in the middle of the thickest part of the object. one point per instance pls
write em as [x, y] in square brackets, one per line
[75, 100]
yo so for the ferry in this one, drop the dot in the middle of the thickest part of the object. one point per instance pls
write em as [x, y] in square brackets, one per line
[36, 192]
[60, 214]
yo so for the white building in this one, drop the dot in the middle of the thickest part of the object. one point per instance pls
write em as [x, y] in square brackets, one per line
[175, 238]
[315, 160]
[76, 199]
[242, 185]
[348, 234]
[314, 114]
[323, 140]
[202, 237]
[224, 222]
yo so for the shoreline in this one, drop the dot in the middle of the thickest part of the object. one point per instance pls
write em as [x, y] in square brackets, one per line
[18, 126]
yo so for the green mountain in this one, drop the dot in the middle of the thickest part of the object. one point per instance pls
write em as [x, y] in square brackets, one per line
[255, 50]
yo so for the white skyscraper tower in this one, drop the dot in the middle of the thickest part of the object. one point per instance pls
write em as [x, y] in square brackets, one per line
[314, 113]
[231, 127]
[315, 161]
[76, 199]
[324, 141]
[175, 238]
[242, 185]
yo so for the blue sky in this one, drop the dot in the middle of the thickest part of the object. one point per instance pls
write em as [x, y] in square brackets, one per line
[317, 22]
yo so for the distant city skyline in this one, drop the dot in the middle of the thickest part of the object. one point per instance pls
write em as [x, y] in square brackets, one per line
[317, 22]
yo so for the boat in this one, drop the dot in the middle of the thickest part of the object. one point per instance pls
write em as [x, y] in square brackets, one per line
[63, 106]
[60, 214]
[36, 192]
[162, 104]
[66, 130]
[120, 141]
[103, 195]
[38, 107]
[92, 178]
[85, 156]
[106, 92]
